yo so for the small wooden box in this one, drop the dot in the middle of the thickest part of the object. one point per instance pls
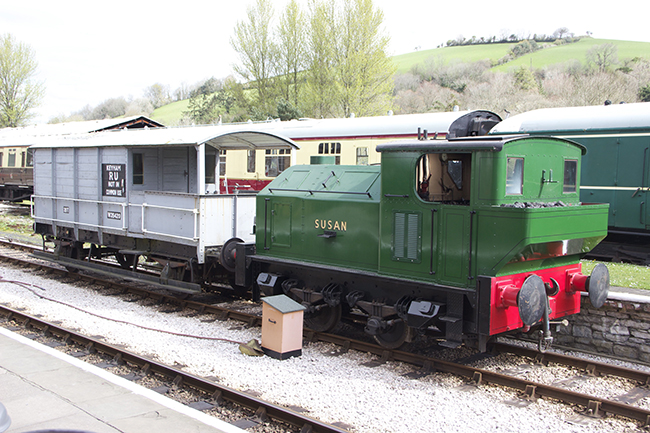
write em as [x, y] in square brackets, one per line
[281, 327]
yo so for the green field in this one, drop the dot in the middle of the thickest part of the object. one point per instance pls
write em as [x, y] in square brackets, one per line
[550, 55]
[170, 114]
[465, 54]
[577, 51]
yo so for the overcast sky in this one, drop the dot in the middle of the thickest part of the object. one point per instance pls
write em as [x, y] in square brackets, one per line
[90, 51]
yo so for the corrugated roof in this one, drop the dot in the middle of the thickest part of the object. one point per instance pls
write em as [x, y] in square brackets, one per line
[68, 128]
[220, 136]
[29, 135]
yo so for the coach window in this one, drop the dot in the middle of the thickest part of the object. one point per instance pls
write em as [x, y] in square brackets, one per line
[1, 158]
[30, 158]
[570, 175]
[276, 161]
[331, 149]
[362, 156]
[250, 168]
[138, 169]
[515, 176]
[11, 161]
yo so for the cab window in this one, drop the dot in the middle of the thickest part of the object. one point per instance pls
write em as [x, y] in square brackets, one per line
[515, 176]
[443, 177]
[570, 175]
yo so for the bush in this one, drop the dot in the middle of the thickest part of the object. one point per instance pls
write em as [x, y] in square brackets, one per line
[644, 93]
[524, 47]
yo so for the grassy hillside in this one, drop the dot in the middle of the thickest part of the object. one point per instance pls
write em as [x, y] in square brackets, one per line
[552, 55]
[466, 54]
[546, 57]
[577, 51]
[170, 114]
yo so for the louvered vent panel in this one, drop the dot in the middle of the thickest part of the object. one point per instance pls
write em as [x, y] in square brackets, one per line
[400, 228]
[412, 236]
[406, 236]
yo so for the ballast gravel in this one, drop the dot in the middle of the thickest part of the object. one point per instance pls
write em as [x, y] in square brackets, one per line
[332, 387]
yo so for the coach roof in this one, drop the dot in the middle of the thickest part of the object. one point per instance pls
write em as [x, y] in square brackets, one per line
[578, 119]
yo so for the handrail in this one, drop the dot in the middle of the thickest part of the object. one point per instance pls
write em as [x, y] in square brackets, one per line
[312, 191]
[80, 200]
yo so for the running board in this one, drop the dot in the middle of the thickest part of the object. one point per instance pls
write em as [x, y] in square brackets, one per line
[175, 285]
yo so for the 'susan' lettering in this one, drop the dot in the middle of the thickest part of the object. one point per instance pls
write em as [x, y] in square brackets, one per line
[330, 225]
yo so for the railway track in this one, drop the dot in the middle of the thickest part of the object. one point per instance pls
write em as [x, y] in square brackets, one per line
[178, 377]
[425, 365]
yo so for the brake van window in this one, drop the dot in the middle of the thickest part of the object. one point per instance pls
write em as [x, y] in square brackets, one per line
[138, 169]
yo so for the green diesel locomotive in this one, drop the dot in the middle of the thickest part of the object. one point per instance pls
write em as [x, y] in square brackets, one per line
[470, 237]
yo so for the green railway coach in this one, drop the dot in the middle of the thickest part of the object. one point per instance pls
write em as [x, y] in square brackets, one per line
[471, 237]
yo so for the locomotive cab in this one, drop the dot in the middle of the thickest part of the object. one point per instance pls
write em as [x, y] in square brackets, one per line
[501, 218]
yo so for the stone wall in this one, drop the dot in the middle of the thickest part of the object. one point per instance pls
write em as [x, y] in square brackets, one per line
[620, 328]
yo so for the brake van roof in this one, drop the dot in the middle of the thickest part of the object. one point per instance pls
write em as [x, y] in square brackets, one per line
[226, 137]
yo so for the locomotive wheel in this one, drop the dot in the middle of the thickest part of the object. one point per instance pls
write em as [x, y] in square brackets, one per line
[325, 319]
[394, 337]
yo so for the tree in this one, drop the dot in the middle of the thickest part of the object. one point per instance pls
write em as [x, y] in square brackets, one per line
[139, 107]
[158, 95]
[524, 47]
[291, 51]
[363, 67]
[321, 85]
[203, 109]
[109, 109]
[525, 79]
[561, 32]
[602, 56]
[19, 92]
[287, 110]
[214, 98]
[257, 51]
[348, 69]
[644, 93]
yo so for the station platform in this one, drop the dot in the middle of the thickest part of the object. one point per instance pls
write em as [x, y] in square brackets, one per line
[625, 294]
[43, 389]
